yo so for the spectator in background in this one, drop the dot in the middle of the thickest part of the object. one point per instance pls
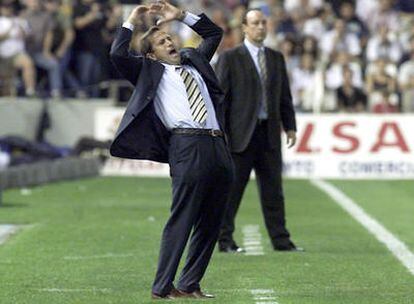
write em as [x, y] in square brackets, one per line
[384, 44]
[339, 40]
[309, 6]
[404, 6]
[320, 24]
[304, 84]
[13, 31]
[405, 35]
[385, 104]
[334, 73]
[383, 15]
[113, 12]
[353, 23]
[309, 45]
[91, 20]
[365, 8]
[289, 50]
[41, 27]
[406, 82]
[380, 78]
[350, 98]
[58, 44]
[286, 23]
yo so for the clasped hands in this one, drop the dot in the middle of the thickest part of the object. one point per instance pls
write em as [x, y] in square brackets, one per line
[165, 10]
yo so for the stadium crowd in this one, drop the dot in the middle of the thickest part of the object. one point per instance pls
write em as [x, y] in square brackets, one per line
[346, 56]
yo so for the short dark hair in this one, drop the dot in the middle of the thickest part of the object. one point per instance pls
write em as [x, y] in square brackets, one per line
[244, 20]
[145, 43]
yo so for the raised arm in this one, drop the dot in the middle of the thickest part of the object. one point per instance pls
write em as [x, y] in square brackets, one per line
[211, 34]
[202, 25]
[127, 64]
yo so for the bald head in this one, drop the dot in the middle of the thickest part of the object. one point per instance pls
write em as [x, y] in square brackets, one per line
[254, 26]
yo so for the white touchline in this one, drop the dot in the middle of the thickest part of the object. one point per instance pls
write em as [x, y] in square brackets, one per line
[397, 247]
[103, 256]
[252, 240]
[60, 290]
[264, 296]
[6, 231]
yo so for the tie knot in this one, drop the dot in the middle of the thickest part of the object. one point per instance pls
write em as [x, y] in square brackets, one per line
[261, 52]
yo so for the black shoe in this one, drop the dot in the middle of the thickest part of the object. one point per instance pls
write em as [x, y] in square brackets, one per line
[289, 246]
[230, 248]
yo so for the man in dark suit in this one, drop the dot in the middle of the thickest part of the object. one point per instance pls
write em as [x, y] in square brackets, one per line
[175, 115]
[258, 99]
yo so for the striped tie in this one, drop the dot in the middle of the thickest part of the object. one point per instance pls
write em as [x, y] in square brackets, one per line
[196, 101]
[263, 76]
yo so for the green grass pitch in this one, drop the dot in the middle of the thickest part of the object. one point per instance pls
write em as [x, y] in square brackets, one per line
[97, 241]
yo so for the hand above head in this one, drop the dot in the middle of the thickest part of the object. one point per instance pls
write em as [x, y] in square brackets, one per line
[136, 14]
[167, 11]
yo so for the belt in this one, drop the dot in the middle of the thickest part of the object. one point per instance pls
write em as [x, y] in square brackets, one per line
[193, 131]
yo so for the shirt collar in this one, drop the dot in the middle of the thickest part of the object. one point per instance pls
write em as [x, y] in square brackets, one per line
[253, 49]
[171, 67]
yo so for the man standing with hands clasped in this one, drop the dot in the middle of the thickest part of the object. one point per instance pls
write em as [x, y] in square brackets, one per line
[175, 115]
[258, 100]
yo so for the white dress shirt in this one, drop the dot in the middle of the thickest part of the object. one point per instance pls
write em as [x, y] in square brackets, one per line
[254, 53]
[14, 44]
[171, 100]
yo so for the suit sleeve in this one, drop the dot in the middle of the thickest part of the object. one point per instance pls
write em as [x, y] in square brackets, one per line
[287, 111]
[127, 64]
[211, 34]
[222, 70]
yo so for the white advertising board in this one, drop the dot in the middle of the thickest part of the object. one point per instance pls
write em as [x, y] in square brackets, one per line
[328, 146]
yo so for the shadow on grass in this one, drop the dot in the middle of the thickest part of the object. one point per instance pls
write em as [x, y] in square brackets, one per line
[13, 205]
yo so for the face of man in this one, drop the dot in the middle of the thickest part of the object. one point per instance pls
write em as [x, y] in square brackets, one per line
[163, 48]
[255, 28]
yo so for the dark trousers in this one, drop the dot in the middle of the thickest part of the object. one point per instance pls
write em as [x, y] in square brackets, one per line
[267, 164]
[202, 172]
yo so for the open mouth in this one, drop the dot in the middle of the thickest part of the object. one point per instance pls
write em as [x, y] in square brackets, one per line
[173, 52]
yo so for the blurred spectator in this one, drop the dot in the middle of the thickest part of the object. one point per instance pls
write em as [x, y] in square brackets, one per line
[406, 83]
[353, 23]
[58, 44]
[320, 24]
[12, 49]
[304, 84]
[334, 73]
[405, 6]
[350, 98]
[235, 24]
[288, 49]
[384, 44]
[308, 6]
[381, 77]
[113, 13]
[365, 9]
[385, 104]
[41, 27]
[383, 15]
[339, 39]
[286, 25]
[310, 46]
[405, 35]
[91, 19]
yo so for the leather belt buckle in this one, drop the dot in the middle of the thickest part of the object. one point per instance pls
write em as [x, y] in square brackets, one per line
[215, 133]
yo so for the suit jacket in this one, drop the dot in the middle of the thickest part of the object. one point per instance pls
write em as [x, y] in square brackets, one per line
[141, 134]
[240, 81]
